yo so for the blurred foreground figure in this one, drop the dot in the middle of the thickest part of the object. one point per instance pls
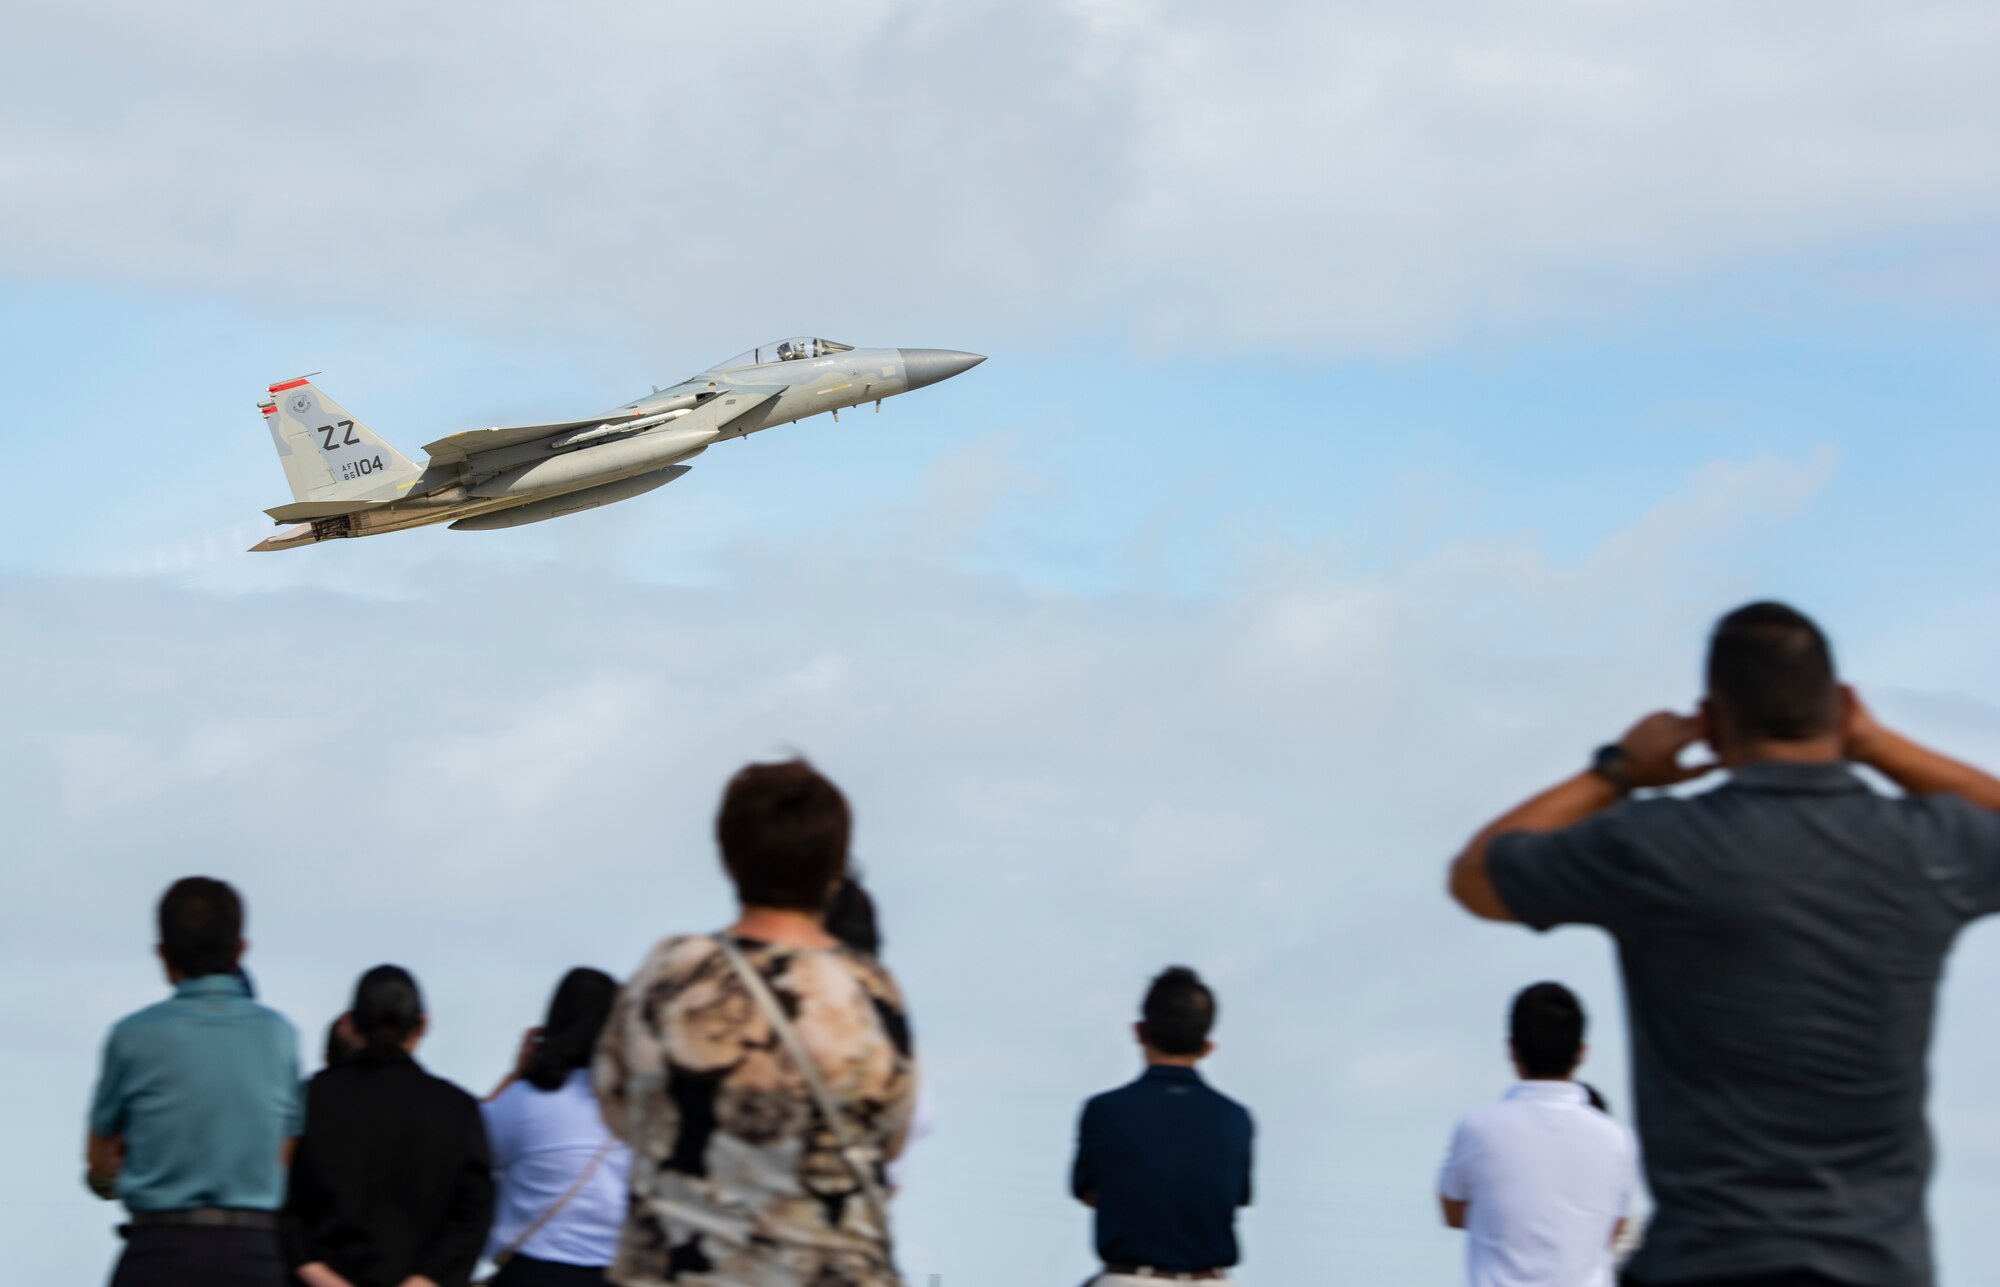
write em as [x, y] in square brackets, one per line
[1781, 940]
[1166, 1160]
[391, 1186]
[562, 1174]
[1540, 1181]
[763, 1076]
[851, 918]
[196, 1107]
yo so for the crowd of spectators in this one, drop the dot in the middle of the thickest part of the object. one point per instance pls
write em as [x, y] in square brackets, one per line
[732, 1115]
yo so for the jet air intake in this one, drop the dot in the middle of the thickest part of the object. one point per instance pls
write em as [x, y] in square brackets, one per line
[606, 463]
[569, 502]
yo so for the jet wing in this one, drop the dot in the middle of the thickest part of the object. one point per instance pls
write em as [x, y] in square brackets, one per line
[453, 448]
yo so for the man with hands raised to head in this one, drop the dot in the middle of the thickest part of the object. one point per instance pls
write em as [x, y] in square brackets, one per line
[1781, 940]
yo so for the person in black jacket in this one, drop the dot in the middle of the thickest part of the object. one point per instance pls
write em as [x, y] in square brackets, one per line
[391, 1186]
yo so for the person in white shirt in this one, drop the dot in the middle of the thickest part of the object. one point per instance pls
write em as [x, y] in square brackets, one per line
[1540, 1181]
[562, 1175]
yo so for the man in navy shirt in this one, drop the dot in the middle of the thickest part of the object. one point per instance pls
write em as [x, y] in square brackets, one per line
[1166, 1160]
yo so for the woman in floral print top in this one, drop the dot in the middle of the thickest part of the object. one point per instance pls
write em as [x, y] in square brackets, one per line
[736, 1181]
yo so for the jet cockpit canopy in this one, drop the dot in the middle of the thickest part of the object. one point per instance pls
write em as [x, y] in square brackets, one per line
[796, 349]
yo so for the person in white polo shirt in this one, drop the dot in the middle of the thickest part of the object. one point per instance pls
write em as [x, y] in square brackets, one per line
[1540, 1181]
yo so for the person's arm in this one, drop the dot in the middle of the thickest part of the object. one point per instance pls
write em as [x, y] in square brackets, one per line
[320, 1274]
[530, 1039]
[296, 1218]
[1652, 759]
[1455, 1179]
[610, 1071]
[1083, 1174]
[468, 1212]
[104, 1143]
[104, 1158]
[1249, 1154]
[1915, 768]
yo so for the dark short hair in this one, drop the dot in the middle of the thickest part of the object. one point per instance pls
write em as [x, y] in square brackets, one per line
[850, 917]
[783, 830]
[1770, 670]
[340, 1043]
[201, 926]
[1178, 1012]
[1547, 1029]
[576, 1018]
[387, 1007]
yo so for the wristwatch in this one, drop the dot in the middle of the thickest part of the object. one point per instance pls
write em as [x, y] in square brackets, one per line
[1614, 766]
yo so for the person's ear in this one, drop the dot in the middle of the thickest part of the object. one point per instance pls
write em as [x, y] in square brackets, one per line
[242, 946]
[1139, 1033]
[1849, 711]
[1710, 718]
[1582, 1053]
[1207, 1049]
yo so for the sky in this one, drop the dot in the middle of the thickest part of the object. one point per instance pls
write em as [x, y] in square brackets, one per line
[1382, 401]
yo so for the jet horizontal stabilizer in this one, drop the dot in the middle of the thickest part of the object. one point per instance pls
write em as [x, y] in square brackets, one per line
[306, 511]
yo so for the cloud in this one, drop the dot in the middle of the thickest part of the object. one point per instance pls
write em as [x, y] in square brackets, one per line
[1317, 177]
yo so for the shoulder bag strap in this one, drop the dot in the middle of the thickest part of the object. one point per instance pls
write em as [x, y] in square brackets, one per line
[576, 1187]
[863, 1171]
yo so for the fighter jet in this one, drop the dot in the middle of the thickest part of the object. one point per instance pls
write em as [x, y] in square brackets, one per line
[347, 481]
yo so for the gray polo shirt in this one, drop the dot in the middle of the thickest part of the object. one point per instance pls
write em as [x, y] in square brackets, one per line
[1781, 940]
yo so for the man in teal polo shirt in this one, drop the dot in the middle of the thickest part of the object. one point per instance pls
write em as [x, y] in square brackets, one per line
[197, 1105]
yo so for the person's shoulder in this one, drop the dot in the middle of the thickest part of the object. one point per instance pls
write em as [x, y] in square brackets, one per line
[273, 1021]
[874, 976]
[449, 1093]
[515, 1099]
[1606, 1128]
[1941, 811]
[1110, 1099]
[1231, 1106]
[1139, 1090]
[674, 958]
[1478, 1122]
[159, 1013]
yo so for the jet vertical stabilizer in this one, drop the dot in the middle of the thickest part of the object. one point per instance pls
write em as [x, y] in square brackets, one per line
[328, 455]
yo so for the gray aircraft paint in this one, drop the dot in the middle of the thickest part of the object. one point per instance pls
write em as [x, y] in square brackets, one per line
[570, 502]
[348, 481]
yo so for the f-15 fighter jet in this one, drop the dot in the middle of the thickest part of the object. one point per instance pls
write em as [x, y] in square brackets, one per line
[347, 481]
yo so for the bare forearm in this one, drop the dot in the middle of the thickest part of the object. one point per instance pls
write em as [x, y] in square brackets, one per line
[1563, 805]
[1921, 771]
[105, 1155]
[320, 1274]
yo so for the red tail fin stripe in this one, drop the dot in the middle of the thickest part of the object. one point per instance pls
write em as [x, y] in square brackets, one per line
[289, 384]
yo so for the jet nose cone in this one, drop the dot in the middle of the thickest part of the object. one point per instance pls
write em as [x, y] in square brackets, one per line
[928, 366]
